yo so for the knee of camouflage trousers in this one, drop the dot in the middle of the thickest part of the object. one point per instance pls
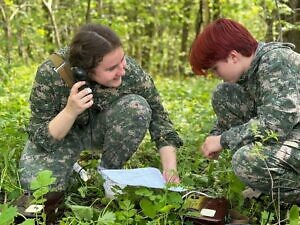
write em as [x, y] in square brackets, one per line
[272, 170]
[124, 127]
[127, 122]
[35, 160]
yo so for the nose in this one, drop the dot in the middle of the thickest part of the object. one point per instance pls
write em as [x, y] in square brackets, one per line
[121, 68]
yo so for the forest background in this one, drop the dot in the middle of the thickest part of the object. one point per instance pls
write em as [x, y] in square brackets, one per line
[158, 34]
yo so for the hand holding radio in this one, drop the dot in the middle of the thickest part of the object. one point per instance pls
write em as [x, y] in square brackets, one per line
[79, 100]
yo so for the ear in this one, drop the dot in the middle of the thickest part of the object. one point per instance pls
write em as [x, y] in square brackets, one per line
[234, 56]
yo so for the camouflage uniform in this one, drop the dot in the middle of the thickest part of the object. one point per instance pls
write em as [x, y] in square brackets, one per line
[266, 98]
[115, 125]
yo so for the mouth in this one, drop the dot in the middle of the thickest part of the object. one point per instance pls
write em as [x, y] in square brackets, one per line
[117, 78]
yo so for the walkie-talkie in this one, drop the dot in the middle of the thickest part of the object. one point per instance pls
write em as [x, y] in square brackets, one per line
[80, 75]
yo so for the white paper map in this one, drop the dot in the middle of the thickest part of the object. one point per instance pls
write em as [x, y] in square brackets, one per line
[146, 177]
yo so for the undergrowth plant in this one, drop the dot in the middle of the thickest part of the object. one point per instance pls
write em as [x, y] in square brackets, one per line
[257, 151]
[188, 102]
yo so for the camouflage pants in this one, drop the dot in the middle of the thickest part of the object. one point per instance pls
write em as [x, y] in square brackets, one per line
[116, 133]
[276, 169]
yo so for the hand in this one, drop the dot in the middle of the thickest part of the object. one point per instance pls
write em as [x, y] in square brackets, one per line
[212, 147]
[171, 176]
[79, 101]
[169, 164]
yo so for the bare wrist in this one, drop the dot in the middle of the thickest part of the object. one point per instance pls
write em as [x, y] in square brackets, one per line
[69, 113]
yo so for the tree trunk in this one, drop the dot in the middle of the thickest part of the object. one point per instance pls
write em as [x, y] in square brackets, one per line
[7, 27]
[269, 33]
[292, 35]
[21, 46]
[100, 7]
[88, 12]
[205, 12]
[216, 10]
[8, 36]
[146, 50]
[184, 34]
[149, 31]
[199, 19]
[48, 6]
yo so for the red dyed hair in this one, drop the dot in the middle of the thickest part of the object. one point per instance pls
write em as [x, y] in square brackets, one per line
[216, 41]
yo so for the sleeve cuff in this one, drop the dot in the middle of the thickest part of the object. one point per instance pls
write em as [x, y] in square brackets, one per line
[176, 142]
[223, 141]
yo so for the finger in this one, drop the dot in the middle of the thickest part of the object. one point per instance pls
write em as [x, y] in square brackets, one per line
[88, 104]
[84, 92]
[214, 155]
[204, 151]
[171, 177]
[174, 179]
[203, 147]
[76, 86]
[86, 98]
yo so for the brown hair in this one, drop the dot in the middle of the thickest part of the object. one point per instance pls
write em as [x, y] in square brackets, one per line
[90, 44]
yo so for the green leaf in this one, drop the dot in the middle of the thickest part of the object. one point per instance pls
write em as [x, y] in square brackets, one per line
[107, 218]
[294, 215]
[83, 191]
[174, 198]
[236, 185]
[148, 208]
[7, 215]
[126, 205]
[83, 213]
[28, 222]
[43, 179]
[130, 213]
[166, 208]
[144, 192]
[264, 217]
[39, 193]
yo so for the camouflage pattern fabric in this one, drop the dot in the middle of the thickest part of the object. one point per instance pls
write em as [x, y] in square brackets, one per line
[265, 99]
[115, 125]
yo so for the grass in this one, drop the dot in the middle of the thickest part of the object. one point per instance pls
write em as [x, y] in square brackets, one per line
[188, 102]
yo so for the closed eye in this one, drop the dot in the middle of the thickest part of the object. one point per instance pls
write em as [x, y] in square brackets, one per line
[115, 66]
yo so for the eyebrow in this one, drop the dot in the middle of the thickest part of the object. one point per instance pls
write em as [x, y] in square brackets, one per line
[114, 66]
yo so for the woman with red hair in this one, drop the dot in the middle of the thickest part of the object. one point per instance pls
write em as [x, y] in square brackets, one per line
[257, 106]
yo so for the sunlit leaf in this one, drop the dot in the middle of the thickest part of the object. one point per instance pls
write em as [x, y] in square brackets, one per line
[7, 215]
[148, 208]
[294, 215]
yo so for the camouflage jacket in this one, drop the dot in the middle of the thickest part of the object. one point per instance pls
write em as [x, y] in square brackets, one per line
[273, 84]
[50, 93]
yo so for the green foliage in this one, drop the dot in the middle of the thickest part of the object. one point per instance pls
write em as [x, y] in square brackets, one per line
[28, 222]
[152, 32]
[266, 217]
[188, 102]
[107, 218]
[82, 213]
[14, 114]
[7, 214]
[31, 31]
[41, 184]
[294, 215]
